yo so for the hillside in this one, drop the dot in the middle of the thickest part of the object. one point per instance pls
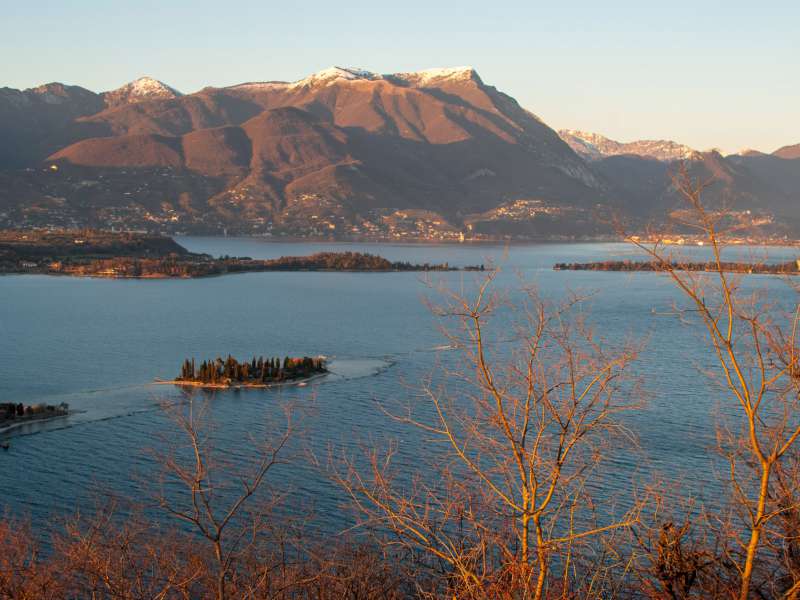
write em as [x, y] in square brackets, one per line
[641, 173]
[343, 152]
[788, 152]
[593, 146]
[340, 150]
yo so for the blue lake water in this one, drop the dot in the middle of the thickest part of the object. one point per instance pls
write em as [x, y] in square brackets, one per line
[98, 344]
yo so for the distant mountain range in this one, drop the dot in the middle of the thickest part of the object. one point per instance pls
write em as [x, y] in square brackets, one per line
[348, 153]
[593, 146]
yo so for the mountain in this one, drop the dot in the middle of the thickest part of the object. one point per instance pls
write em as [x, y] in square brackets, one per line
[342, 144]
[30, 119]
[38, 121]
[647, 187]
[642, 172]
[789, 152]
[781, 170]
[144, 88]
[749, 152]
[593, 146]
[343, 152]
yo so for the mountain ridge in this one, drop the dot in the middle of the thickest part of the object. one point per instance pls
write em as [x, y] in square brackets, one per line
[594, 146]
[342, 149]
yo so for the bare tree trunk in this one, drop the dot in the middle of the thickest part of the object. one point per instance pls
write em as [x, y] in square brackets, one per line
[220, 570]
[541, 555]
[755, 532]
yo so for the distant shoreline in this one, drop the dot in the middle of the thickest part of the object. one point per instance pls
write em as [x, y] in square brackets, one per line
[137, 256]
[466, 242]
[626, 266]
[212, 275]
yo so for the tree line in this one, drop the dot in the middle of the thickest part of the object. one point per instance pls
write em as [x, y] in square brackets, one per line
[709, 266]
[203, 265]
[257, 370]
[348, 261]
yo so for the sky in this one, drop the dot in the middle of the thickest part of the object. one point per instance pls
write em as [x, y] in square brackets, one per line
[706, 74]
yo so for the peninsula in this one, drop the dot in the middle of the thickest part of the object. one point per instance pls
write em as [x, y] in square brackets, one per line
[143, 256]
[258, 372]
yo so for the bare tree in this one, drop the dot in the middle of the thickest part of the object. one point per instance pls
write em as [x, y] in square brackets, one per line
[519, 442]
[118, 553]
[23, 573]
[754, 343]
[216, 492]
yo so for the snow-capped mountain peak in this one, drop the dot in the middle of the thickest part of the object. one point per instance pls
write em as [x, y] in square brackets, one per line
[351, 74]
[144, 88]
[428, 76]
[147, 86]
[593, 146]
[332, 74]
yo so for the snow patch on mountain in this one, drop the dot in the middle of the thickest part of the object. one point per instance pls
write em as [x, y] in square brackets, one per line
[593, 146]
[260, 85]
[144, 88]
[436, 75]
[332, 74]
[346, 74]
[147, 86]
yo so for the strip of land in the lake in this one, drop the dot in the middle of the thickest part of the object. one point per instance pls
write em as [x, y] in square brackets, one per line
[259, 372]
[143, 256]
[786, 268]
[15, 415]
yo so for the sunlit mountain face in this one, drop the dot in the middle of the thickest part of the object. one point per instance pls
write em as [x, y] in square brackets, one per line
[341, 152]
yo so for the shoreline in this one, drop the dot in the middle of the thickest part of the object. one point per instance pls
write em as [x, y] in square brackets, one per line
[171, 277]
[239, 386]
[19, 423]
[466, 242]
[469, 269]
[780, 269]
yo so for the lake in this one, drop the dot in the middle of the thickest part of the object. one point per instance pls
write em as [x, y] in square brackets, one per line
[98, 344]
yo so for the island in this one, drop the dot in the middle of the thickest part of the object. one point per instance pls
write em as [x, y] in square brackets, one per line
[786, 268]
[12, 414]
[258, 372]
[117, 255]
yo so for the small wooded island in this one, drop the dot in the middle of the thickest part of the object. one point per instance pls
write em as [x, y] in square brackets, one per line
[788, 268]
[144, 256]
[258, 372]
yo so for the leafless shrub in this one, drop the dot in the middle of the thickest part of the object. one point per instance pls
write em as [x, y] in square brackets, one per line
[519, 445]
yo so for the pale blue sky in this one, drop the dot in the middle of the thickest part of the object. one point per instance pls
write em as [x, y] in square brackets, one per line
[723, 74]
